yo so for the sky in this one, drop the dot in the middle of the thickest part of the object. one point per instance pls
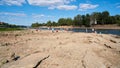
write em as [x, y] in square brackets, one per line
[26, 12]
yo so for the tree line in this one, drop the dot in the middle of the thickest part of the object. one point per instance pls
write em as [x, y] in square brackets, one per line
[7, 25]
[96, 18]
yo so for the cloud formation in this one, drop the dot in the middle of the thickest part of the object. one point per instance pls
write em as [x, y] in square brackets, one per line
[85, 6]
[39, 16]
[12, 2]
[49, 2]
[67, 7]
[118, 6]
[52, 4]
[64, 7]
[13, 14]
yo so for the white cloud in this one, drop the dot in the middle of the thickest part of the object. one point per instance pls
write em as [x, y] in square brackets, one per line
[118, 6]
[52, 4]
[48, 2]
[84, 7]
[66, 7]
[13, 14]
[45, 2]
[12, 2]
[37, 16]
[41, 17]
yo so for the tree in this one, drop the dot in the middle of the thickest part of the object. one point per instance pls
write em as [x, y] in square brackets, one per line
[96, 17]
[54, 23]
[111, 20]
[78, 20]
[117, 19]
[62, 22]
[83, 19]
[87, 20]
[49, 23]
[105, 17]
[69, 21]
[35, 24]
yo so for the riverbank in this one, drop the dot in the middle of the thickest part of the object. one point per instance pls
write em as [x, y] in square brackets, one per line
[10, 29]
[62, 49]
[95, 26]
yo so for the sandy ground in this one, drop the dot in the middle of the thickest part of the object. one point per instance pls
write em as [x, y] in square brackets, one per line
[44, 49]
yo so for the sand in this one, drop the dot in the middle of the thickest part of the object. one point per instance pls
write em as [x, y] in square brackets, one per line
[61, 49]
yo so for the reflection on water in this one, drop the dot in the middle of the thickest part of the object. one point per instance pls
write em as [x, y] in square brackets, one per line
[104, 31]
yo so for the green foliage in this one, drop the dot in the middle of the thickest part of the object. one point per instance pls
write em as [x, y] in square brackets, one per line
[78, 20]
[6, 25]
[54, 23]
[118, 22]
[87, 20]
[117, 19]
[65, 21]
[82, 20]
[69, 21]
[96, 16]
[49, 23]
[105, 17]
[62, 22]
[35, 24]
[10, 29]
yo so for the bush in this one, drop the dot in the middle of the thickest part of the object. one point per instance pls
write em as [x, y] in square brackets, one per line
[118, 22]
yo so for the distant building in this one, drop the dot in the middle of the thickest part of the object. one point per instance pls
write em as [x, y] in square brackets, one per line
[93, 21]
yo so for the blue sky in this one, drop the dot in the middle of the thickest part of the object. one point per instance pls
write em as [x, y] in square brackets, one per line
[25, 12]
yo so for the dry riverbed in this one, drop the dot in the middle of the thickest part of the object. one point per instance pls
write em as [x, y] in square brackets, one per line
[44, 49]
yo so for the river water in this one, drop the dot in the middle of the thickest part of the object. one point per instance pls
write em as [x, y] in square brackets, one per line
[103, 31]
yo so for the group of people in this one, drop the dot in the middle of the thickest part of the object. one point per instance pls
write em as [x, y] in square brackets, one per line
[61, 29]
[93, 30]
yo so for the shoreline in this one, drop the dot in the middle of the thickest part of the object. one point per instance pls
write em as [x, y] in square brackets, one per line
[82, 27]
[89, 27]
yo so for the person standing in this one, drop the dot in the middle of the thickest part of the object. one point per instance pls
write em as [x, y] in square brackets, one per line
[93, 30]
[52, 30]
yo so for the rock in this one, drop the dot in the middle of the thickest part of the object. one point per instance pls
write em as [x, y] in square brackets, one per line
[117, 36]
[107, 46]
[113, 41]
[5, 61]
[13, 55]
[5, 44]
[16, 58]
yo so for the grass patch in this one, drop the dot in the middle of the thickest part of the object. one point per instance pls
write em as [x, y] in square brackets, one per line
[10, 29]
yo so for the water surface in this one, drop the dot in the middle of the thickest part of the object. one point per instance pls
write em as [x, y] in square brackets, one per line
[103, 31]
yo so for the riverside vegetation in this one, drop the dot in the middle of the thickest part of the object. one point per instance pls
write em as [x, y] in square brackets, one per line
[100, 18]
